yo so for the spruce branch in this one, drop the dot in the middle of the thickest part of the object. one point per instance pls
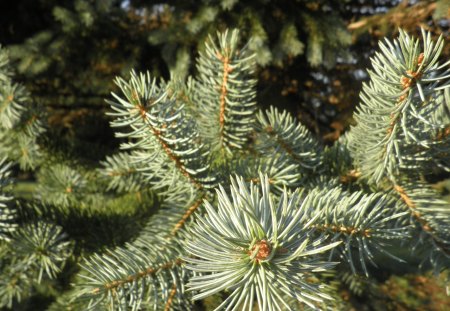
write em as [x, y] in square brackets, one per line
[280, 170]
[164, 139]
[131, 277]
[430, 214]
[19, 122]
[364, 223]
[396, 125]
[169, 302]
[12, 95]
[288, 44]
[171, 222]
[284, 135]
[122, 174]
[246, 246]
[41, 246]
[189, 212]
[35, 250]
[5, 69]
[61, 185]
[143, 272]
[226, 92]
[327, 36]
[14, 286]
[12, 99]
[183, 91]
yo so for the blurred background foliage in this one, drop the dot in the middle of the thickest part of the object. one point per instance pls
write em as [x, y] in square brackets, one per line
[312, 55]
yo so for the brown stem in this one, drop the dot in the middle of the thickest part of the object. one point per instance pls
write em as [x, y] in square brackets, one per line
[168, 151]
[171, 296]
[186, 215]
[223, 90]
[416, 214]
[412, 208]
[407, 82]
[139, 275]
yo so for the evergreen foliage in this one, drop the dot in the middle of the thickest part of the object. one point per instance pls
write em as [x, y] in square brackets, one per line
[20, 124]
[7, 216]
[230, 94]
[247, 246]
[280, 30]
[278, 234]
[413, 79]
[45, 38]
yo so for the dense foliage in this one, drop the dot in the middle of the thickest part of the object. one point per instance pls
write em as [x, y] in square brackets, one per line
[209, 195]
[311, 55]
